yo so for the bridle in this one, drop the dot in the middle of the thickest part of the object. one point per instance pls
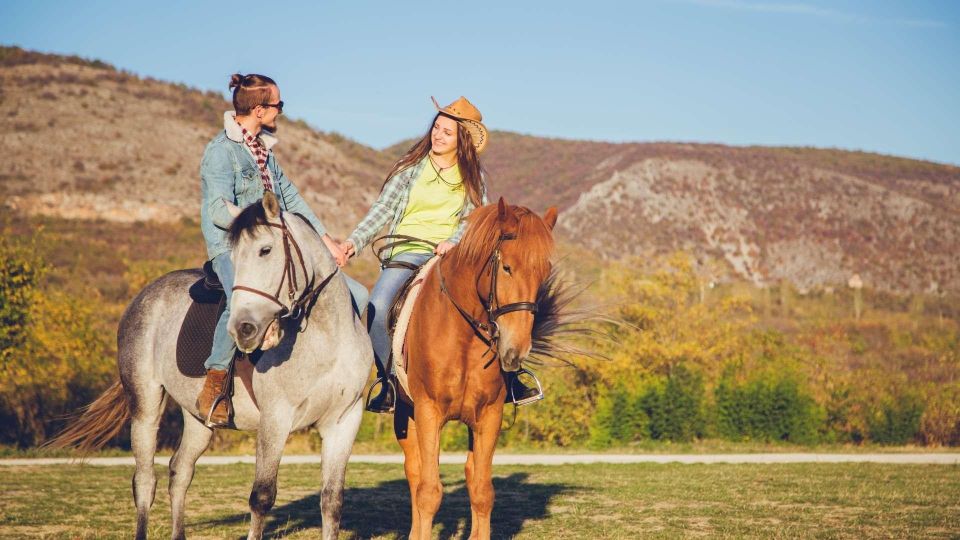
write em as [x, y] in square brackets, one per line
[310, 292]
[489, 331]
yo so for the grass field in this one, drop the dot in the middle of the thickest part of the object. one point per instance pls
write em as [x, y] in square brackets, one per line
[586, 501]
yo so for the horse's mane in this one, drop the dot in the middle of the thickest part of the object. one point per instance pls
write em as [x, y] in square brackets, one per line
[249, 219]
[483, 231]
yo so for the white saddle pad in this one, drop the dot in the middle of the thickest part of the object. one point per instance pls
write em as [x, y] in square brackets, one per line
[403, 321]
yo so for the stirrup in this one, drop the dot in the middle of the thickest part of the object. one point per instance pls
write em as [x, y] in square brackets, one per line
[531, 399]
[385, 380]
[207, 417]
[225, 394]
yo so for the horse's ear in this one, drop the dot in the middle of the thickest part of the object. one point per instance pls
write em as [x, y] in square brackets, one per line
[550, 218]
[270, 205]
[508, 220]
[233, 209]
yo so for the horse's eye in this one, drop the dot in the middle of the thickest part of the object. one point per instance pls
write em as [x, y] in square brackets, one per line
[507, 269]
[264, 251]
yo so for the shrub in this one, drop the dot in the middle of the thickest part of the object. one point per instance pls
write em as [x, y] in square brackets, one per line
[768, 407]
[619, 418]
[896, 420]
[675, 407]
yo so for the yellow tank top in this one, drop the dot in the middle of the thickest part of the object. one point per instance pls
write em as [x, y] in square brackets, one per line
[433, 209]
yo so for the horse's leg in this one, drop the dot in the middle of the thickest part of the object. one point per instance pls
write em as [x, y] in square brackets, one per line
[338, 440]
[429, 490]
[271, 438]
[479, 479]
[405, 429]
[146, 404]
[195, 439]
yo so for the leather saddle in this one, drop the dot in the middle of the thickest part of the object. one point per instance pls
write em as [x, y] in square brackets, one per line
[195, 338]
[208, 289]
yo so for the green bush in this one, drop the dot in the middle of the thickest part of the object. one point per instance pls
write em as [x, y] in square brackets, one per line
[896, 420]
[662, 408]
[772, 408]
[675, 407]
[619, 418]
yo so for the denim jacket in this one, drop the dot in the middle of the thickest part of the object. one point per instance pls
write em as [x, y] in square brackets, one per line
[392, 202]
[228, 173]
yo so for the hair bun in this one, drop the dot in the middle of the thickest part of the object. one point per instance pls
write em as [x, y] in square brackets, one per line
[235, 80]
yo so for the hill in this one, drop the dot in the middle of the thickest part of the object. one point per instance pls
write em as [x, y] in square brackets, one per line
[91, 142]
[810, 216]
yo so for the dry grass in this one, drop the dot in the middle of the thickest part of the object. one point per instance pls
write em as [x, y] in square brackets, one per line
[587, 501]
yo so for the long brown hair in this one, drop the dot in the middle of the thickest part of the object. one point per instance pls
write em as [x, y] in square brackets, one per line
[467, 159]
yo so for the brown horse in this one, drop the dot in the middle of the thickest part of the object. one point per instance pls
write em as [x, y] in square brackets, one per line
[472, 321]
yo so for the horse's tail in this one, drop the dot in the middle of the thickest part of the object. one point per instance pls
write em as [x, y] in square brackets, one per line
[96, 423]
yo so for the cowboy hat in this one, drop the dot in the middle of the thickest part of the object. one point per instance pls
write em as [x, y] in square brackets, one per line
[464, 112]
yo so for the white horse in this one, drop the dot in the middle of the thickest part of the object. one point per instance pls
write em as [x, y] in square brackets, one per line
[292, 304]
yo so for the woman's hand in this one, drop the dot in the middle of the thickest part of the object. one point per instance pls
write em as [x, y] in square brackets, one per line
[335, 250]
[348, 248]
[443, 247]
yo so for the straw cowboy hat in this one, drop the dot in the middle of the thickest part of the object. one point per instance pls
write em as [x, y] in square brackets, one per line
[464, 112]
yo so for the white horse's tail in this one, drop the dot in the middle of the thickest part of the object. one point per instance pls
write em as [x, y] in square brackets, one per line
[95, 424]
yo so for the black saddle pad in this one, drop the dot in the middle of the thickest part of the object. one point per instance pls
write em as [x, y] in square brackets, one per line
[196, 336]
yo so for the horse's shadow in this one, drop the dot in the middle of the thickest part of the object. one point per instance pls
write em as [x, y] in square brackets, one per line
[385, 508]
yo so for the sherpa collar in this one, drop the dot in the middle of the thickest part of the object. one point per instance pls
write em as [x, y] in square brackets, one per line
[232, 128]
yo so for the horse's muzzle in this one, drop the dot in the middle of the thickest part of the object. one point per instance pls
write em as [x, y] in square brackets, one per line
[246, 335]
[510, 360]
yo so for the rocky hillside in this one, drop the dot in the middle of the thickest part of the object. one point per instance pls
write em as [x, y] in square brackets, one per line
[87, 141]
[90, 142]
[811, 216]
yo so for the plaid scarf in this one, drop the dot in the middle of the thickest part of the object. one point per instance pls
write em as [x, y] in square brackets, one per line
[260, 154]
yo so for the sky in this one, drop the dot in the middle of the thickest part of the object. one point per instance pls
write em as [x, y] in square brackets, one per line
[879, 76]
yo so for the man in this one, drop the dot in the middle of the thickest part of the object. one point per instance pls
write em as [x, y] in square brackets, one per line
[238, 167]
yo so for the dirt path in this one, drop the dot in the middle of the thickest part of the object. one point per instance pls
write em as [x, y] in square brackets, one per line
[548, 459]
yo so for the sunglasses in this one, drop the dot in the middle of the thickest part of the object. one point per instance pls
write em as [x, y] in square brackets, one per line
[278, 105]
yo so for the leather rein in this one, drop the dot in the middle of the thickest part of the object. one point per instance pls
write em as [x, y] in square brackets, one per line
[310, 292]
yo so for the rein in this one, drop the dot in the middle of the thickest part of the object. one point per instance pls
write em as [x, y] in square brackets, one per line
[310, 292]
[488, 332]
[383, 252]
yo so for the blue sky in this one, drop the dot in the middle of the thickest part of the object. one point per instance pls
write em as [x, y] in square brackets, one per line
[880, 76]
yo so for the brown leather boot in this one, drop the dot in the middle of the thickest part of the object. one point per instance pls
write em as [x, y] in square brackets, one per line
[212, 387]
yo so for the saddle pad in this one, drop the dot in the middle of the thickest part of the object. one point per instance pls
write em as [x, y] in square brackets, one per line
[403, 321]
[196, 337]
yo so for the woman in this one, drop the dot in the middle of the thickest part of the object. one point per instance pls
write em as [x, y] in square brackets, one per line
[427, 195]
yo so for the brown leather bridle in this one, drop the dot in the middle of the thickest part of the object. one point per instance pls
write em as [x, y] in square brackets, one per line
[298, 307]
[488, 332]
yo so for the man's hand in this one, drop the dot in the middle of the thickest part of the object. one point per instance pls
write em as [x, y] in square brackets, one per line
[335, 250]
[443, 247]
[348, 248]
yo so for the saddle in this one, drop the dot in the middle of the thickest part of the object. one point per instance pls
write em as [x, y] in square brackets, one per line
[195, 338]
[400, 319]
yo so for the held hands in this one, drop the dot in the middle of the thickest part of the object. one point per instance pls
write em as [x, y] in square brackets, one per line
[335, 250]
[443, 247]
[348, 248]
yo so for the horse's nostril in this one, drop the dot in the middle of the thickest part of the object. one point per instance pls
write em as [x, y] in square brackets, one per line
[247, 330]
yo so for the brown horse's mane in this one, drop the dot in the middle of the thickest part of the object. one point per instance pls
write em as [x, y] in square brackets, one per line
[483, 231]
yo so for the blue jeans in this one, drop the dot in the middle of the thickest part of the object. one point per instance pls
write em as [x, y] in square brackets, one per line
[381, 300]
[223, 345]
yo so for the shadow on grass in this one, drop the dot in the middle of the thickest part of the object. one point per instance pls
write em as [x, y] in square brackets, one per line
[385, 509]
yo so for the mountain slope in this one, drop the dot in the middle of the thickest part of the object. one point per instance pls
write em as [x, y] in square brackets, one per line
[89, 142]
[811, 216]
[92, 142]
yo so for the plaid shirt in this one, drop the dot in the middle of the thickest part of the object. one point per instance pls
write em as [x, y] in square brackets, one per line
[392, 202]
[259, 151]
